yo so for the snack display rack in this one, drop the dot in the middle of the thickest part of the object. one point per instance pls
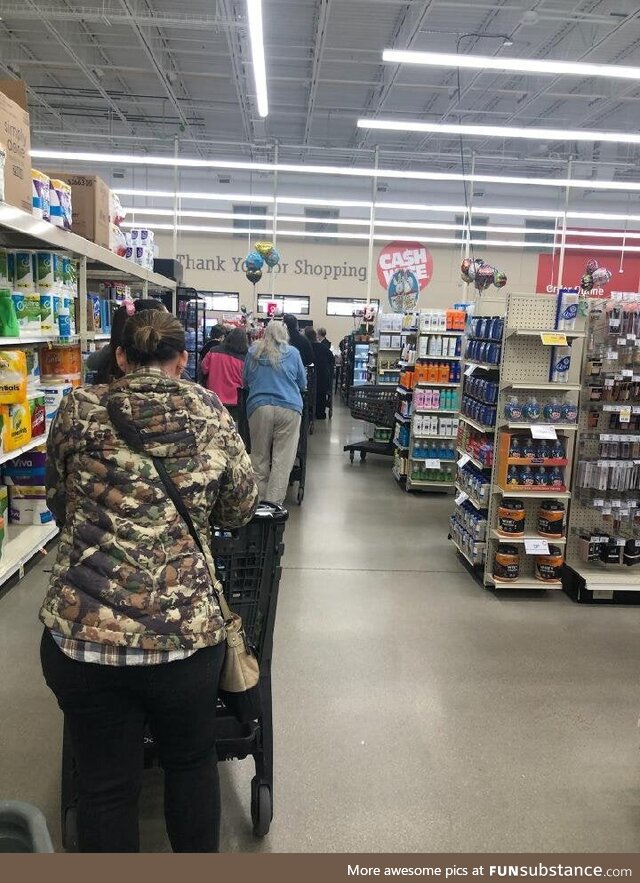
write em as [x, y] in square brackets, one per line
[21, 230]
[603, 542]
[491, 479]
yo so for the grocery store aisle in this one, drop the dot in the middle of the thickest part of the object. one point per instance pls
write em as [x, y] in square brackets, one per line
[414, 710]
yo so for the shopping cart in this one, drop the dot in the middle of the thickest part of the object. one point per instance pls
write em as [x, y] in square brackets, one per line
[376, 406]
[311, 398]
[248, 566]
[330, 392]
[299, 471]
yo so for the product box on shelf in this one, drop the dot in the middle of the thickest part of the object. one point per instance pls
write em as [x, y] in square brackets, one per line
[16, 425]
[28, 505]
[38, 411]
[26, 469]
[90, 202]
[530, 464]
[53, 396]
[14, 119]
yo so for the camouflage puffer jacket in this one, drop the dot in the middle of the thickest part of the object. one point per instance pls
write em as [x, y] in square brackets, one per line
[127, 571]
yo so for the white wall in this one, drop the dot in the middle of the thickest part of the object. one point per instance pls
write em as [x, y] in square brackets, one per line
[215, 263]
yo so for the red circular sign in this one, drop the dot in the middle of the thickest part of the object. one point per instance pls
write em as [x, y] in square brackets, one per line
[400, 255]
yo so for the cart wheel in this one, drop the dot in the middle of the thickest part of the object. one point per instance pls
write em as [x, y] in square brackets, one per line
[70, 829]
[261, 810]
[300, 496]
[351, 456]
[363, 455]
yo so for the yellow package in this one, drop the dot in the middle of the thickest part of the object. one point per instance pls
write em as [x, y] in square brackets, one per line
[16, 425]
[13, 377]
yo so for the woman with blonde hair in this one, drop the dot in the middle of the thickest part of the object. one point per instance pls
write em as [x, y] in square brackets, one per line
[276, 378]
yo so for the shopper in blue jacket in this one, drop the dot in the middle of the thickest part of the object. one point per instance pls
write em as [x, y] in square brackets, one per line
[276, 378]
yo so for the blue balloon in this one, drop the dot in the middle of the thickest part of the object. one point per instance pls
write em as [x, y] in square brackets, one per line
[272, 257]
[253, 261]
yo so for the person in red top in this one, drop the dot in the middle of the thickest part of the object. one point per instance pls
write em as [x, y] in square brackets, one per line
[222, 369]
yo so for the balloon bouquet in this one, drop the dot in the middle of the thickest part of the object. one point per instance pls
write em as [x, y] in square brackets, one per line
[482, 274]
[594, 275]
[263, 253]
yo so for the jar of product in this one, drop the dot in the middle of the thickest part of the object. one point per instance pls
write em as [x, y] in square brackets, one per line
[551, 519]
[511, 518]
[552, 412]
[506, 564]
[549, 567]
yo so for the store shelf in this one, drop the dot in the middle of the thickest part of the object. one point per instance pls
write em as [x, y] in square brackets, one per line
[486, 366]
[479, 426]
[566, 427]
[441, 333]
[464, 554]
[23, 544]
[472, 460]
[443, 460]
[609, 578]
[525, 582]
[536, 332]
[98, 335]
[447, 437]
[402, 391]
[473, 500]
[37, 340]
[34, 443]
[547, 385]
[33, 233]
[438, 358]
[521, 494]
[399, 478]
[401, 419]
[560, 541]
[413, 483]
[400, 447]
[435, 411]
[424, 384]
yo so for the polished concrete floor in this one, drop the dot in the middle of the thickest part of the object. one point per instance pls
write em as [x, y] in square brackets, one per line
[415, 711]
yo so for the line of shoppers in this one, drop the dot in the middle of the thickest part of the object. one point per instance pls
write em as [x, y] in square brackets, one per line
[324, 364]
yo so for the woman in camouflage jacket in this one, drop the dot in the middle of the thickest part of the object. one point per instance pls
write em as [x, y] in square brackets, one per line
[133, 632]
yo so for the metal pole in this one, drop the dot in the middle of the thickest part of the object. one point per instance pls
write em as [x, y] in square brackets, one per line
[176, 148]
[275, 216]
[372, 220]
[563, 238]
[467, 232]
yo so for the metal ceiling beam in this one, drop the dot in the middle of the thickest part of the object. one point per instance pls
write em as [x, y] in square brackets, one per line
[86, 70]
[237, 41]
[4, 64]
[405, 31]
[110, 14]
[320, 28]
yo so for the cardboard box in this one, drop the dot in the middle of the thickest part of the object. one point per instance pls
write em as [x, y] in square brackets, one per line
[15, 138]
[90, 204]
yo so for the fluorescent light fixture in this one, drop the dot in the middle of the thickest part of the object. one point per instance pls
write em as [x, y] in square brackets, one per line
[347, 171]
[169, 194]
[519, 65]
[336, 203]
[530, 132]
[254, 17]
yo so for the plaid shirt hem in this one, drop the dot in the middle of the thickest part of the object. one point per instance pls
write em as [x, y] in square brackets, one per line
[107, 654]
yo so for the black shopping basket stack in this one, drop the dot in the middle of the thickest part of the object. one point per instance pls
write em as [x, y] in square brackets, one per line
[376, 406]
[248, 566]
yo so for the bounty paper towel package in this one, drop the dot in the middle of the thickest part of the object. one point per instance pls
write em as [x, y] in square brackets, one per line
[16, 425]
[28, 505]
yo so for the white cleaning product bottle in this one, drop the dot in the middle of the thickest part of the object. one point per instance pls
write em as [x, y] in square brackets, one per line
[560, 364]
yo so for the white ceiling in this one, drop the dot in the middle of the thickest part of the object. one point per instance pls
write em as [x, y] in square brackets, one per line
[132, 75]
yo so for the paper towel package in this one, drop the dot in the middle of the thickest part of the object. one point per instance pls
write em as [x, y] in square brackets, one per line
[28, 505]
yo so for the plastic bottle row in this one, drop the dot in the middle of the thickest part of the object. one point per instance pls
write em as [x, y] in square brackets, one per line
[476, 444]
[527, 448]
[436, 399]
[430, 424]
[475, 483]
[442, 320]
[436, 345]
[478, 411]
[444, 475]
[532, 477]
[484, 390]
[531, 411]
[486, 327]
[440, 450]
[437, 372]
[473, 549]
[480, 351]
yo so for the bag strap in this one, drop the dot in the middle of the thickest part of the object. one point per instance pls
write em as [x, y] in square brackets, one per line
[178, 502]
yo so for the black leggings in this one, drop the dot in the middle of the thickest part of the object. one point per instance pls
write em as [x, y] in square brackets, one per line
[106, 709]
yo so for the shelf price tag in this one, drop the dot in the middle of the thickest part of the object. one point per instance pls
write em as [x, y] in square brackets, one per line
[625, 414]
[432, 464]
[536, 547]
[468, 371]
[461, 498]
[553, 338]
[464, 459]
[543, 431]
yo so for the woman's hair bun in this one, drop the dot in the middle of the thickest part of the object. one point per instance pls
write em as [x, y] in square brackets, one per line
[146, 339]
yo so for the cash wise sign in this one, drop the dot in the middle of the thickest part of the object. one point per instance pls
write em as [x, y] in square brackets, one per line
[400, 255]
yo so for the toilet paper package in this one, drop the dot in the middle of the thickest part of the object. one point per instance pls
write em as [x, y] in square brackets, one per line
[28, 505]
[60, 204]
[28, 312]
[40, 190]
[46, 314]
[141, 236]
[53, 393]
[23, 269]
[44, 263]
[4, 269]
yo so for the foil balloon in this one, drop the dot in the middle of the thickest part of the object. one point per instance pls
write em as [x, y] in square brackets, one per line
[500, 279]
[253, 275]
[586, 283]
[263, 248]
[484, 276]
[592, 266]
[253, 261]
[272, 257]
[601, 276]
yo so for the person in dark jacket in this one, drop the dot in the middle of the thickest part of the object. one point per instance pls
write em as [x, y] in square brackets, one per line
[133, 632]
[324, 361]
[216, 337]
[297, 340]
[103, 362]
[223, 367]
[322, 338]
